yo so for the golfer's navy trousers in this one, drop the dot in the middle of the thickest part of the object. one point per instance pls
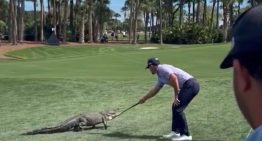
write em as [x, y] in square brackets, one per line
[189, 90]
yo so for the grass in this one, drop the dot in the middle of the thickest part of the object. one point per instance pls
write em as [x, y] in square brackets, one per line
[51, 84]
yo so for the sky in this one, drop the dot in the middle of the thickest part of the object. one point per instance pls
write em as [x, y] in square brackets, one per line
[115, 5]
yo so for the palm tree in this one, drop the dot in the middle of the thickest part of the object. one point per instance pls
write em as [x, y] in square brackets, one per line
[181, 5]
[35, 20]
[205, 12]
[65, 21]
[41, 21]
[14, 22]
[90, 19]
[146, 6]
[102, 15]
[198, 11]
[194, 10]
[137, 8]
[124, 9]
[212, 14]
[160, 21]
[226, 4]
[217, 14]
[21, 8]
[130, 5]
[116, 15]
[72, 18]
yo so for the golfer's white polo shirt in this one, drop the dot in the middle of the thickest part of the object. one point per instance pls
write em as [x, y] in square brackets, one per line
[164, 71]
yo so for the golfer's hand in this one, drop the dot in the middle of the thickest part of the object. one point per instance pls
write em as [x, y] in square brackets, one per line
[176, 102]
[142, 100]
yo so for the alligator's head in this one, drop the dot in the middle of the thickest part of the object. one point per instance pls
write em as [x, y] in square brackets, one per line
[110, 115]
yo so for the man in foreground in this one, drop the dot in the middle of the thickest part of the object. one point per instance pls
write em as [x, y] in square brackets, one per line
[246, 59]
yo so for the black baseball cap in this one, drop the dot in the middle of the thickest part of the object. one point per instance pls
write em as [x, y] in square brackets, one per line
[246, 36]
[152, 61]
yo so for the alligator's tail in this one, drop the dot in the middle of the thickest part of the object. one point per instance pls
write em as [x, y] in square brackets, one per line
[49, 130]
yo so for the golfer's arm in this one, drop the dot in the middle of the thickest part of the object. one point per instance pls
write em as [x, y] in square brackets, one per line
[174, 83]
[152, 92]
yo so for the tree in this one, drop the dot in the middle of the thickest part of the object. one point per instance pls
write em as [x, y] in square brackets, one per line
[181, 15]
[205, 12]
[13, 22]
[35, 21]
[217, 14]
[212, 14]
[198, 11]
[21, 8]
[160, 21]
[65, 21]
[226, 4]
[90, 19]
[41, 21]
[116, 15]
[137, 7]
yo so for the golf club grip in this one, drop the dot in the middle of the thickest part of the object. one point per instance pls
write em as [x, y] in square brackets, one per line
[128, 108]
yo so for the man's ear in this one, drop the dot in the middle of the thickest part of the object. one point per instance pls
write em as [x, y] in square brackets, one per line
[242, 76]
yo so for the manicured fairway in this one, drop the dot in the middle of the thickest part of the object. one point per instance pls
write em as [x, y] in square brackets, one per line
[50, 84]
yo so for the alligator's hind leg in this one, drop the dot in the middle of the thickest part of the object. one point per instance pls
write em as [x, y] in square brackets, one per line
[77, 128]
[104, 122]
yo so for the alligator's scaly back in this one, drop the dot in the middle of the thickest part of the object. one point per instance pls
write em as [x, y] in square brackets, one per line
[77, 122]
[69, 124]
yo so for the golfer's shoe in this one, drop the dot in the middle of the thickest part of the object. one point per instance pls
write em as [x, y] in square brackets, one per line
[182, 138]
[171, 135]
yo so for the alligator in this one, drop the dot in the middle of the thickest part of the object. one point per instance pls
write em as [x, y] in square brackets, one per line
[78, 123]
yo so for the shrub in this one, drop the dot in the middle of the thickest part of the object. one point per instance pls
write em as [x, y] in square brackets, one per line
[190, 34]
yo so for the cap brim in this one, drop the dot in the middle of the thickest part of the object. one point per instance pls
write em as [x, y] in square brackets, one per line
[146, 67]
[227, 62]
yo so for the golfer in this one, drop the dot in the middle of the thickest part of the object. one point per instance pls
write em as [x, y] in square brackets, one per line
[185, 89]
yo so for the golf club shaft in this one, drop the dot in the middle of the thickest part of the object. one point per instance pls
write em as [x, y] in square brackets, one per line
[128, 108]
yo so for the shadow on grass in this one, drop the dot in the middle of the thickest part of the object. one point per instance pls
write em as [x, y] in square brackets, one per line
[56, 132]
[121, 135]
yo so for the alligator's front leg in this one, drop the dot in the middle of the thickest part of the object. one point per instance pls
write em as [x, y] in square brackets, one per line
[104, 122]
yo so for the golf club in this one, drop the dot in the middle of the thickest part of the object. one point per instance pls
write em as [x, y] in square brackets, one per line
[127, 109]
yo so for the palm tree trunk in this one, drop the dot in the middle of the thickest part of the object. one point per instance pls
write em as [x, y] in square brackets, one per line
[65, 22]
[35, 21]
[22, 21]
[146, 24]
[72, 18]
[231, 13]
[131, 21]
[82, 31]
[198, 12]
[10, 21]
[181, 5]
[189, 12]
[194, 11]
[18, 19]
[212, 14]
[225, 21]
[59, 14]
[14, 22]
[217, 24]
[137, 5]
[205, 12]
[153, 21]
[90, 19]
[160, 22]
[41, 21]
[54, 17]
